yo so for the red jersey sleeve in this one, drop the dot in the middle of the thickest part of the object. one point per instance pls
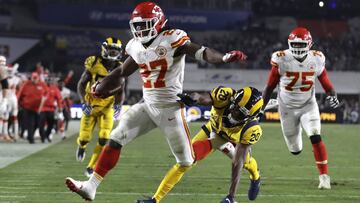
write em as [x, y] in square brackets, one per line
[274, 77]
[325, 81]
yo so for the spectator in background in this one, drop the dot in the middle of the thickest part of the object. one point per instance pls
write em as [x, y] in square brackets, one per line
[31, 96]
[66, 104]
[47, 113]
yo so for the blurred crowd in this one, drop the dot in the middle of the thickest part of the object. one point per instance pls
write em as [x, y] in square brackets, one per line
[37, 104]
[260, 44]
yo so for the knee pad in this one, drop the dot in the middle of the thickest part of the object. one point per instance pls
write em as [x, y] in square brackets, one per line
[296, 153]
[184, 168]
[315, 139]
[114, 144]
[102, 141]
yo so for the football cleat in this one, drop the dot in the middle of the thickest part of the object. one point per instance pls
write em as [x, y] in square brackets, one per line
[152, 200]
[81, 188]
[228, 199]
[80, 154]
[324, 182]
[88, 172]
[254, 189]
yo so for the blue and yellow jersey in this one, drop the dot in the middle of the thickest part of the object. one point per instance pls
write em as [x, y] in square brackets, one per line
[247, 133]
[96, 68]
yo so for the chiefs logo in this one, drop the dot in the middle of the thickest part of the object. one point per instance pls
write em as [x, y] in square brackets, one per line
[160, 51]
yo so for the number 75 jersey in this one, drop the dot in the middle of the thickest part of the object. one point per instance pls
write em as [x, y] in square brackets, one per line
[297, 79]
[161, 71]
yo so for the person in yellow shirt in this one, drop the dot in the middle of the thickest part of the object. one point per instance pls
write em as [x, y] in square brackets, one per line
[99, 111]
[232, 129]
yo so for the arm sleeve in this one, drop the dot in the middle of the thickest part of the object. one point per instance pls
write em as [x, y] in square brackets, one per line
[274, 77]
[177, 37]
[325, 81]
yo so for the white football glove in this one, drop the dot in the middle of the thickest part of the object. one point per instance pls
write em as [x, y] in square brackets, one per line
[332, 101]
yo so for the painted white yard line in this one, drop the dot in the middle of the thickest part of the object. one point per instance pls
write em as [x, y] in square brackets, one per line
[203, 178]
[191, 194]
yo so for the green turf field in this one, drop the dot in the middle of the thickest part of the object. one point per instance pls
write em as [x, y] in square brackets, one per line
[286, 178]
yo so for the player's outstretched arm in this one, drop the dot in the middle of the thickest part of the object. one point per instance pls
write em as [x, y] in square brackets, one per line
[84, 79]
[272, 82]
[110, 84]
[237, 165]
[209, 55]
[196, 98]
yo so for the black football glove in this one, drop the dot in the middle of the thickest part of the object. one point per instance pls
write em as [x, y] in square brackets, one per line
[332, 101]
[186, 99]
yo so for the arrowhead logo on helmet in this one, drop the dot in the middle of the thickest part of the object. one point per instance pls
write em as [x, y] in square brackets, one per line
[300, 42]
[147, 21]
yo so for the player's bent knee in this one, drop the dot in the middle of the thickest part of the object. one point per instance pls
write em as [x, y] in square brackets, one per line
[296, 153]
[184, 168]
[102, 141]
[114, 144]
[315, 139]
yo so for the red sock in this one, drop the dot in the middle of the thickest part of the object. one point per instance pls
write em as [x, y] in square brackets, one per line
[107, 160]
[201, 149]
[320, 155]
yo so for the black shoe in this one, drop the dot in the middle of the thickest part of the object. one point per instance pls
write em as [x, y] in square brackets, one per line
[80, 154]
[254, 189]
[152, 200]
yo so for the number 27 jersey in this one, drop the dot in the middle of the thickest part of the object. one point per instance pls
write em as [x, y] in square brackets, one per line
[297, 79]
[161, 72]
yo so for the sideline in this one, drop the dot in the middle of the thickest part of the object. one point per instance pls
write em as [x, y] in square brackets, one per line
[12, 152]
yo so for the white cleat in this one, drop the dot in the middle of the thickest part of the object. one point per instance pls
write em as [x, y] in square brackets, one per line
[82, 188]
[272, 104]
[324, 182]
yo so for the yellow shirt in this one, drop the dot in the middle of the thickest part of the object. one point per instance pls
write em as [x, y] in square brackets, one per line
[98, 71]
[247, 133]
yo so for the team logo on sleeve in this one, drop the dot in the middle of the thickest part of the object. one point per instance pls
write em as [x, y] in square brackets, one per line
[160, 51]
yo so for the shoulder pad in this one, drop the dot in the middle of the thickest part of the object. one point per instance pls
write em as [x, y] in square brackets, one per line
[176, 37]
[221, 96]
[319, 56]
[278, 57]
[89, 62]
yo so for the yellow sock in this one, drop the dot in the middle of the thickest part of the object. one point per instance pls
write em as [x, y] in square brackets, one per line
[95, 156]
[172, 177]
[251, 166]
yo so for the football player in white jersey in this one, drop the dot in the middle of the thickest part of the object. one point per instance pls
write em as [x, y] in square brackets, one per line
[4, 103]
[13, 110]
[295, 70]
[159, 54]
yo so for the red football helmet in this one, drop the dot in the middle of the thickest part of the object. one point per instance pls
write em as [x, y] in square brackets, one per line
[300, 42]
[146, 21]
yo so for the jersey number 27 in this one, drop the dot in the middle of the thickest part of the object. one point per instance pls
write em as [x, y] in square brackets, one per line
[146, 71]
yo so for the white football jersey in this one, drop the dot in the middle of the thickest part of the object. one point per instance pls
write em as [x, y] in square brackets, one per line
[3, 72]
[297, 79]
[13, 81]
[161, 72]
